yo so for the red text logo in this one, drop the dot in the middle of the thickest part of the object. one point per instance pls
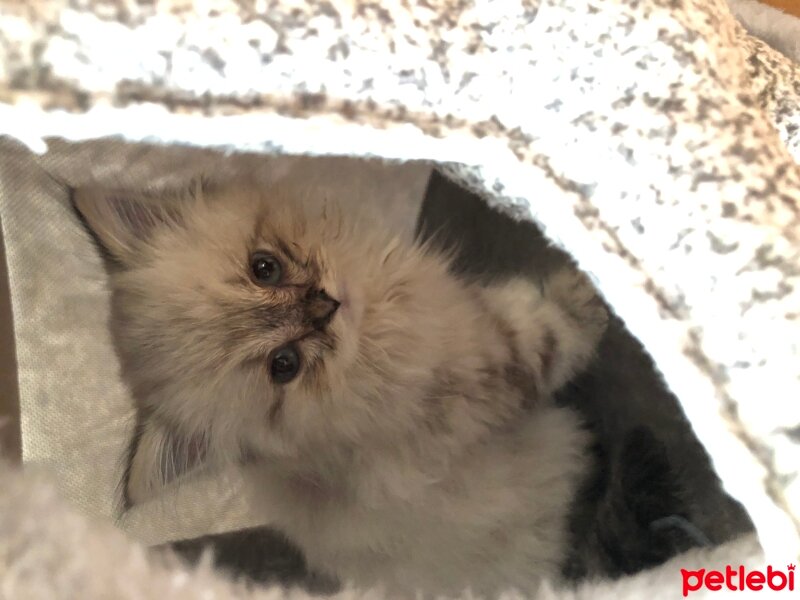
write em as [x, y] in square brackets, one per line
[737, 580]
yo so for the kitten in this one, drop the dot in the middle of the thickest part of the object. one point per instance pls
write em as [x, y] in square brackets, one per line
[396, 420]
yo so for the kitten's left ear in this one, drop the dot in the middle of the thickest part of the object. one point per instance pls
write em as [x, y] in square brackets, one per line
[157, 456]
[122, 221]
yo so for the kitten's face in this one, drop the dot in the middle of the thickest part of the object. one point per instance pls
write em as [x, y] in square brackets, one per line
[248, 328]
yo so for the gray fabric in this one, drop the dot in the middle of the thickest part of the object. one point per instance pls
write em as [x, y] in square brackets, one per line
[653, 139]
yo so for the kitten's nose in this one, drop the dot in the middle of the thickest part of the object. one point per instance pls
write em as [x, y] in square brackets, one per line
[320, 308]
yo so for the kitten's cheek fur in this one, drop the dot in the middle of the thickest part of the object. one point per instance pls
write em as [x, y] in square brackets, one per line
[346, 323]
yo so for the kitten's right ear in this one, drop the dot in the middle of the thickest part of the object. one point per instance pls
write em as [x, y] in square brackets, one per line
[122, 221]
[157, 455]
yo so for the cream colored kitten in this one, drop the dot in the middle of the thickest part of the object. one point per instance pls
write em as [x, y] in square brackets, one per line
[395, 419]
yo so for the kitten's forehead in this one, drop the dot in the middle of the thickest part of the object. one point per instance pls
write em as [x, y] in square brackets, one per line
[257, 216]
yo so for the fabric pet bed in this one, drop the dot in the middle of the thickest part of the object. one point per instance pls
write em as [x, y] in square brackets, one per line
[657, 142]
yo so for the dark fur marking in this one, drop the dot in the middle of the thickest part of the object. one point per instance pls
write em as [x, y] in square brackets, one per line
[286, 251]
[435, 399]
[524, 381]
[248, 456]
[277, 406]
[312, 370]
[123, 501]
[487, 391]
[271, 316]
[549, 353]
[517, 374]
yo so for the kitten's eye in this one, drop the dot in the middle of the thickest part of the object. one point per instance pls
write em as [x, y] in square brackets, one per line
[265, 268]
[285, 364]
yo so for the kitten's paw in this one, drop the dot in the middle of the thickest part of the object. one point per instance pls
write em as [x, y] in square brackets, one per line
[573, 292]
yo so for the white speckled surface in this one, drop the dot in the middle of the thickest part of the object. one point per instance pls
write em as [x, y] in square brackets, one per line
[653, 139]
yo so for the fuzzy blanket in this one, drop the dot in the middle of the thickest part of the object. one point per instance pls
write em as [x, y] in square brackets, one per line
[48, 551]
[654, 140]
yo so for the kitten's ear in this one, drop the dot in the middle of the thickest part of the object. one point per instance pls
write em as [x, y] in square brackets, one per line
[122, 221]
[157, 456]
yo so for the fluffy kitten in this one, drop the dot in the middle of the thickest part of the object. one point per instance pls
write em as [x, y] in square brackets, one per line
[395, 419]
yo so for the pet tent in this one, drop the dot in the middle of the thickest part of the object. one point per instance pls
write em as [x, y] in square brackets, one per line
[654, 140]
